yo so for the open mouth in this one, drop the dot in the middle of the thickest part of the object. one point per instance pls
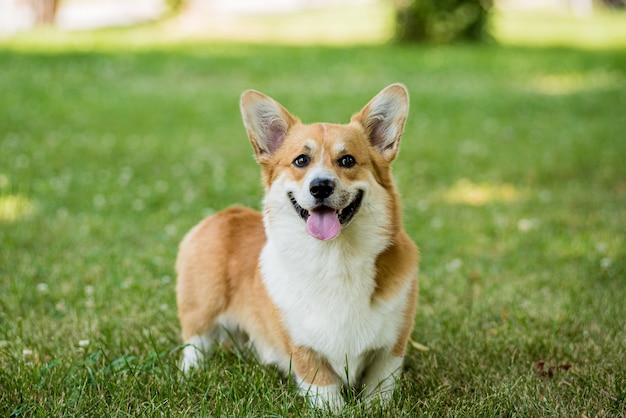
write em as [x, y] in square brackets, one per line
[325, 222]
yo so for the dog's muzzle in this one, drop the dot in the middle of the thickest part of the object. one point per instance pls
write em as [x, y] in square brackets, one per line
[324, 222]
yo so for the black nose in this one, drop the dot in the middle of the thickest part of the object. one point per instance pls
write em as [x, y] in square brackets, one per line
[321, 188]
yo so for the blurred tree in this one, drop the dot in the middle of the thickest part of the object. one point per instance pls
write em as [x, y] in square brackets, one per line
[175, 6]
[615, 3]
[45, 11]
[442, 21]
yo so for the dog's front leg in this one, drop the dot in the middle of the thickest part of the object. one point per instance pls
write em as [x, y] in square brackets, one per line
[316, 380]
[381, 376]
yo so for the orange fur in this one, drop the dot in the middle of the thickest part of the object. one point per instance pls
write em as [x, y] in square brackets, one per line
[219, 271]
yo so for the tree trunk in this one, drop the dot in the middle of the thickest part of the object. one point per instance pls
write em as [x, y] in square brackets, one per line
[45, 11]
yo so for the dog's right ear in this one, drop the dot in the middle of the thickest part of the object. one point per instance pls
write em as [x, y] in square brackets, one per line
[266, 121]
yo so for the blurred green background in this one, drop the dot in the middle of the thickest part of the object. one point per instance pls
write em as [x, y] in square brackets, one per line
[115, 141]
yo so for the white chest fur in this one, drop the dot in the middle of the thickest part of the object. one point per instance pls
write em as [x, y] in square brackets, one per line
[324, 292]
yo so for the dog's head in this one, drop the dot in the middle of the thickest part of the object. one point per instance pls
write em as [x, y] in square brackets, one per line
[324, 173]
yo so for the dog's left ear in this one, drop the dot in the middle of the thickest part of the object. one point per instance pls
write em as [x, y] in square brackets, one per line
[266, 121]
[383, 119]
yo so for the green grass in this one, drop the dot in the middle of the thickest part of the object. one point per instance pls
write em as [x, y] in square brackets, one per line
[514, 186]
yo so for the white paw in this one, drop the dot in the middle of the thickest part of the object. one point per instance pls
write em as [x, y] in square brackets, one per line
[323, 397]
[380, 379]
[193, 353]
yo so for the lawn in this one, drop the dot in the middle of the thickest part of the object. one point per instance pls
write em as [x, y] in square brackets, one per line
[513, 175]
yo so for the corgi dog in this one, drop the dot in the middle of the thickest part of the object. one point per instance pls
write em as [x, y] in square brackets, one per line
[322, 283]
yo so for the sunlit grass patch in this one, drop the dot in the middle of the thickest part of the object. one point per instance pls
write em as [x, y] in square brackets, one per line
[15, 207]
[465, 191]
[602, 29]
[557, 84]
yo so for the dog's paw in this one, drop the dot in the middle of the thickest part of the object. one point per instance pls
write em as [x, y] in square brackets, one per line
[192, 358]
[194, 352]
[327, 398]
[377, 398]
[381, 378]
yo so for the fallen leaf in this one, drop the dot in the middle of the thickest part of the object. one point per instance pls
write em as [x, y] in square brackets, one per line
[539, 366]
[418, 346]
[550, 371]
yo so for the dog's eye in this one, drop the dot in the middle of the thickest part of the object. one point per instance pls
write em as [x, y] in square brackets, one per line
[302, 161]
[347, 161]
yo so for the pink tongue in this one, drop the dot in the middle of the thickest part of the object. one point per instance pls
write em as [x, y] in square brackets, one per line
[323, 224]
